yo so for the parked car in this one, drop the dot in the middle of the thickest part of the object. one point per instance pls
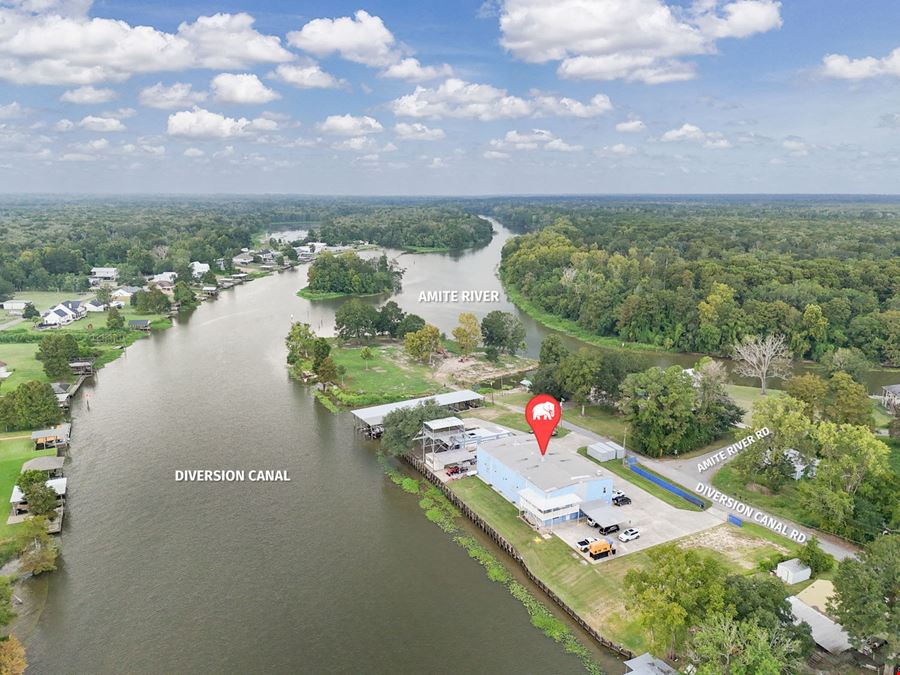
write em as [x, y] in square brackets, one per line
[609, 529]
[585, 544]
[591, 522]
[630, 534]
[618, 493]
[453, 470]
[621, 500]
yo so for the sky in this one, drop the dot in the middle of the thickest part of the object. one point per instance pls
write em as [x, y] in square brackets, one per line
[469, 97]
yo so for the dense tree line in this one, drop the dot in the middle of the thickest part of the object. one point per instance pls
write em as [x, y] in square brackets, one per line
[441, 227]
[350, 274]
[698, 278]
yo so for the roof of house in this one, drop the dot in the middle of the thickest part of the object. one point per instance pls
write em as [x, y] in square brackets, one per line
[375, 414]
[553, 470]
[59, 388]
[139, 322]
[46, 463]
[827, 634]
[645, 664]
[892, 388]
[57, 484]
[129, 290]
[71, 304]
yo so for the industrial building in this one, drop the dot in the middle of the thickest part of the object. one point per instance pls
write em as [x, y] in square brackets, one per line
[548, 489]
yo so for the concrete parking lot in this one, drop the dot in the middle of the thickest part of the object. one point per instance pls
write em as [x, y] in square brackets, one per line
[657, 522]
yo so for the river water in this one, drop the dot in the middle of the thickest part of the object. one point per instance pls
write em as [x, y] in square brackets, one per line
[335, 571]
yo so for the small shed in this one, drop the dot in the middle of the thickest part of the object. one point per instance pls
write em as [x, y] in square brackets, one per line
[792, 571]
[605, 450]
[51, 464]
[646, 664]
[890, 397]
[139, 324]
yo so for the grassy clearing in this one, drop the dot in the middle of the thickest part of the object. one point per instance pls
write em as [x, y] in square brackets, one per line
[894, 457]
[882, 416]
[570, 327]
[599, 419]
[504, 417]
[785, 503]
[44, 300]
[20, 361]
[618, 468]
[519, 398]
[15, 450]
[597, 592]
[746, 397]
[319, 295]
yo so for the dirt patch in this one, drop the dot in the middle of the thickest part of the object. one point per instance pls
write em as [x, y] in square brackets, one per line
[759, 489]
[468, 371]
[730, 542]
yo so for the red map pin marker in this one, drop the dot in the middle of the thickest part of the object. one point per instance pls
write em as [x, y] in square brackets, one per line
[543, 413]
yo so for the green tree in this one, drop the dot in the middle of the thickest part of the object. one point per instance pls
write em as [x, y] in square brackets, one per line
[300, 341]
[674, 590]
[503, 331]
[6, 611]
[355, 319]
[577, 374]
[389, 317]
[810, 389]
[866, 593]
[183, 295]
[103, 295]
[31, 405]
[847, 402]
[409, 324]
[659, 407]
[29, 478]
[30, 312]
[849, 360]
[114, 319]
[467, 334]
[401, 426]
[815, 558]
[12, 656]
[42, 500]
[37, 549]
[320, 351]
[55, 351]
[422, 344]
[722, 645]
[366, 355]
[327, 372]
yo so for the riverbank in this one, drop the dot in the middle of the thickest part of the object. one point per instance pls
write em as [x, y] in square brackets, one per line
[308, 294]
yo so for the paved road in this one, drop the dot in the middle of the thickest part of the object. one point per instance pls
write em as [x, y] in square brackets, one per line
[11, 323]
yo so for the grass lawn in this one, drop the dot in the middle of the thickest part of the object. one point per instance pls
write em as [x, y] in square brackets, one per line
[785, 503]
[97, 320]
[319, 295]
[21, 362]
[519, 398]
[14, 451]
[894, 457]
[618, 468]
[44, 300]
[882, 416]
[746, 397]
[389, 373]
[596, 592]
[599, 419]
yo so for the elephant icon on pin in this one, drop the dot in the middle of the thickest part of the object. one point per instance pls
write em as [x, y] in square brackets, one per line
[543, 411]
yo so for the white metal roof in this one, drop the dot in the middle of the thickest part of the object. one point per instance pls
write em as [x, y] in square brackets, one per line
[375, 414]
[545, 504]
[58, 485]
[601, 512]
[442, 459]
[46, 463]
[445, 423]
[827, 634]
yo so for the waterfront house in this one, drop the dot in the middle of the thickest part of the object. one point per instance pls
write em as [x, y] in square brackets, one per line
[163, 278]
[61, 391]
[890, 398]
[54, 437]
[198, 269]
[16, 307]
[82, 366]
[242, 259]
[101, 275]
[20, 504]
[64, 313]
[549, 489]
[124, 294]
[139, 324]
[93, 305]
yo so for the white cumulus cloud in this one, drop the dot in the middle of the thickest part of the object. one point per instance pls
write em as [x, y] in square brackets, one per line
[243, 88]
[418, 132]
[349, 125]
[178, 95]
[630, 126]
[362, 38]
[843, 67]
[201, 123]
[411, 70]
[634, 40]
[101, 124]
[88, 95]
[692, 133]
[308, 76]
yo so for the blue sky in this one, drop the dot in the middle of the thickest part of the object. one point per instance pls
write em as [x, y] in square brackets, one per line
[466, 97]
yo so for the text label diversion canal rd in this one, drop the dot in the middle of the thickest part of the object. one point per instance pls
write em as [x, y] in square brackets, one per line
[459, 296]
[231, 476]
[732, 450]
[749, 513]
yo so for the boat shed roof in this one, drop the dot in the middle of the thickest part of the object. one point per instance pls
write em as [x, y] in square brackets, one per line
[46, 463]
[374, 415]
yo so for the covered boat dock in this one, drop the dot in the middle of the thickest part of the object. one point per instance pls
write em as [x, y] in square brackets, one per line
[370, 421]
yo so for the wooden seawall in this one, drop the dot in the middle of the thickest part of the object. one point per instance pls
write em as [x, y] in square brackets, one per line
[511, 550]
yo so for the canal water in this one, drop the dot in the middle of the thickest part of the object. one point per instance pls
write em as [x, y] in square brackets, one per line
[335, 571]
